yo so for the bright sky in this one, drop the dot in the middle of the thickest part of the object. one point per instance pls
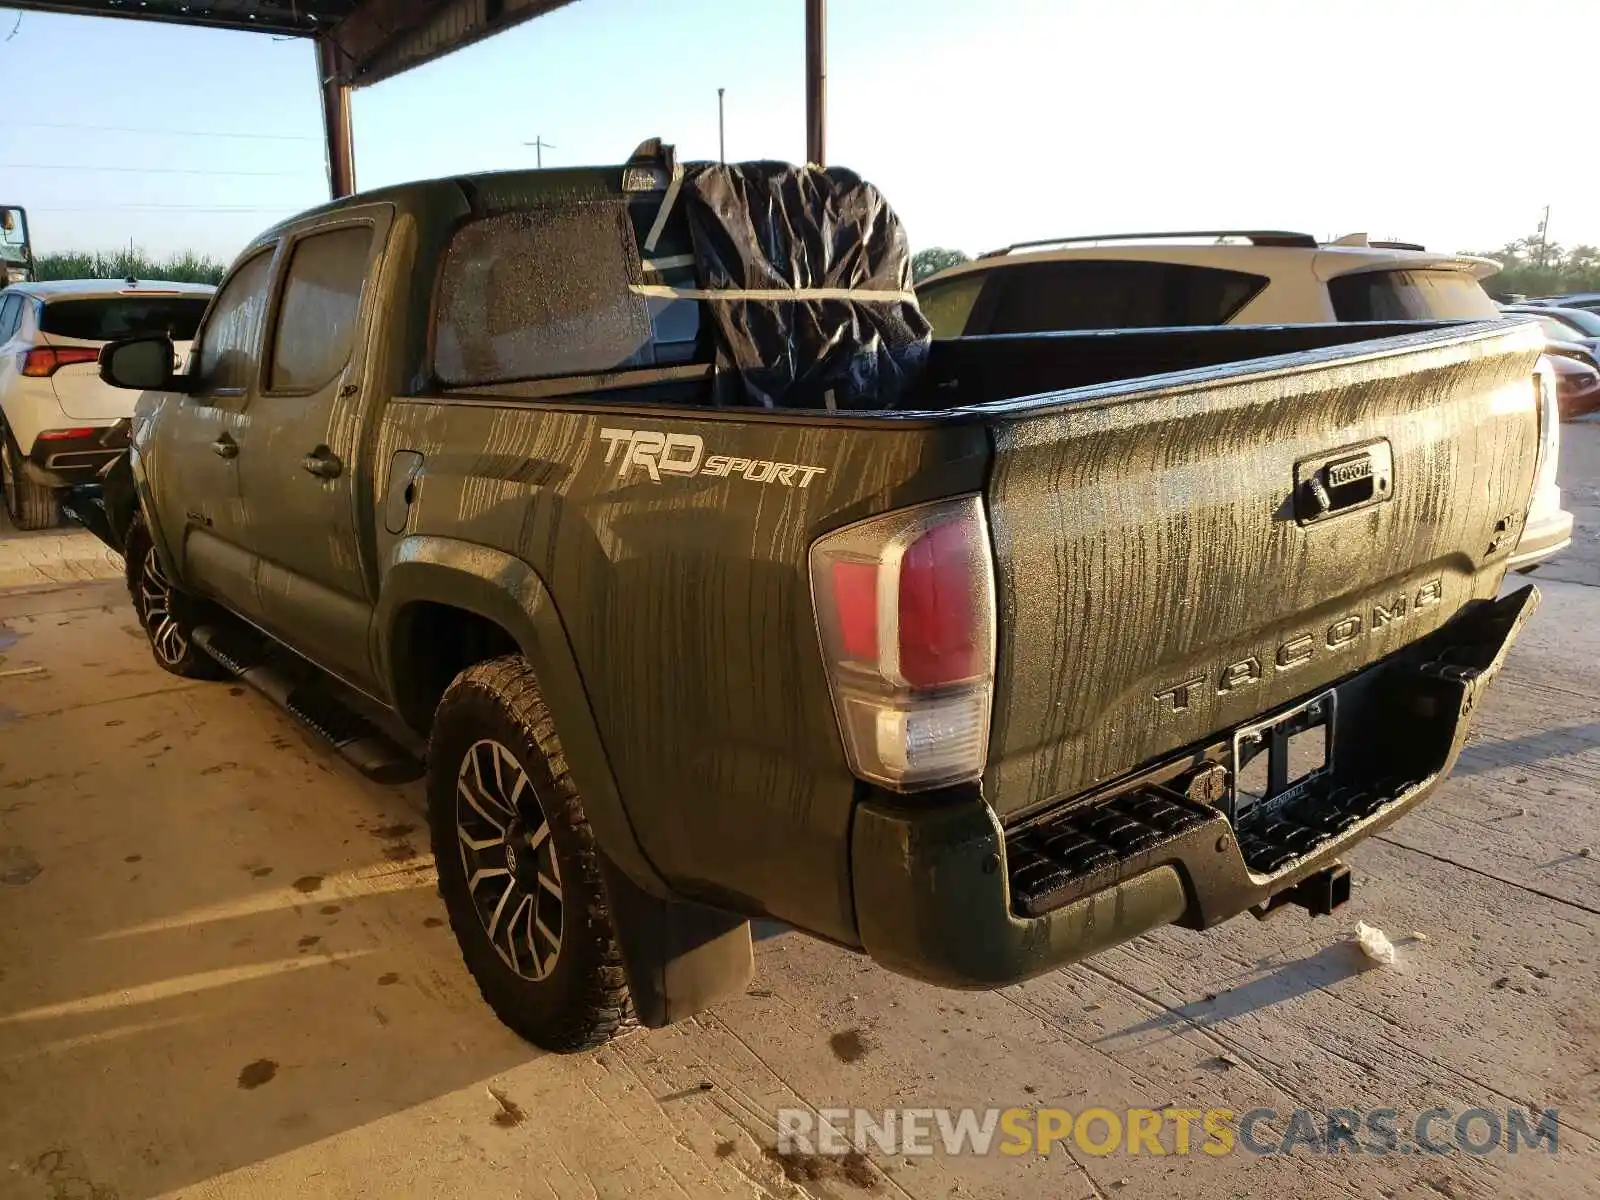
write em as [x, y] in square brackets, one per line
[982, 122]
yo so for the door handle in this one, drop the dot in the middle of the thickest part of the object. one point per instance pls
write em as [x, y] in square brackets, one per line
[225, 446]
[323, 463]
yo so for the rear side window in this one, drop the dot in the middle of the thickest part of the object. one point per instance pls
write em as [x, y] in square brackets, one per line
[1086, 294]
[1409, 296]
[541, 293]
[102, 319]
[947, 305]
[317, 314]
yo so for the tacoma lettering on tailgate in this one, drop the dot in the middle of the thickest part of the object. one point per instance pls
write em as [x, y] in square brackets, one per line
[1301, 648]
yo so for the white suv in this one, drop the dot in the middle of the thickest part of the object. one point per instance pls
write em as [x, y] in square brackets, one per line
[59, 424]
[1233, 277]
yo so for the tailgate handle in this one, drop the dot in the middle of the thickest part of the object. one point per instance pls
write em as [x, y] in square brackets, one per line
[1343, 480]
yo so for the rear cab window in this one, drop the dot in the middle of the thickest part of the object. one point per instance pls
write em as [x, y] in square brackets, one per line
[105, 318]
[1043, 297]
[549, 292]
[1410, 295]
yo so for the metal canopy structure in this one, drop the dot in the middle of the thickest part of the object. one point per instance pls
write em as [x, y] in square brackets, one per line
[372, 39]
[365, 41]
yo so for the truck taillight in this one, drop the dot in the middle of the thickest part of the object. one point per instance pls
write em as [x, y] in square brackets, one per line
[906, 611]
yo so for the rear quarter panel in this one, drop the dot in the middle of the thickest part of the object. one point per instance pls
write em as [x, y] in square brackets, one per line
[687, 604]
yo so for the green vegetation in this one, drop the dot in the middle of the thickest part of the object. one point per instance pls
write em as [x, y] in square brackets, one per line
[187, 267]
[933, 259]
[1529, 269]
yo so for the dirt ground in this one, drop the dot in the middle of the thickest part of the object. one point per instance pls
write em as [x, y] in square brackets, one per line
[224, 973]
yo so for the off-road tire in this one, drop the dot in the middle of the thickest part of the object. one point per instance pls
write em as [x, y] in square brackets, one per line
[169, 630]
[583, 999]
[29, 504]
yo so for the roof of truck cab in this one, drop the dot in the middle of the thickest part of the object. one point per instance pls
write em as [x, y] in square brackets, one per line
[499, 187]
[1328, 261]
[87, 289]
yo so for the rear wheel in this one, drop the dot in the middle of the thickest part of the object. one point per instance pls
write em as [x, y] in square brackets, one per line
[167, 615]
[518, 866]
[29, 504]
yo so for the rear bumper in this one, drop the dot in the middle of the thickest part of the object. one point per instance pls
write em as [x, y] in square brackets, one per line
[1541, 538]
[63, 462]
[949, 896]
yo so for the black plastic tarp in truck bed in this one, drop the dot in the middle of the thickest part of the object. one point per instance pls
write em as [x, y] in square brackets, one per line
[765, 229]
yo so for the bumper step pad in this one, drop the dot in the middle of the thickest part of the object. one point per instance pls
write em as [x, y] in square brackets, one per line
[1097, 845]
[1273, 841]
[1092, 847]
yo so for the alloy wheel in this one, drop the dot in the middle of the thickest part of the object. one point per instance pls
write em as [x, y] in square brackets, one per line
[167, 636]
[509, 859]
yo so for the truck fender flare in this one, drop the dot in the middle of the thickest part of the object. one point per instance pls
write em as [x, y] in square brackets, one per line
[505, 590]
[132, 497]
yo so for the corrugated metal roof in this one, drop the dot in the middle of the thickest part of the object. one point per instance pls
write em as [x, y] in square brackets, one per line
[375, 38]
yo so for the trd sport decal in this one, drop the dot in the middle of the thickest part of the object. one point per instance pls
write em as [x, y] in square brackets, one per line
[684, 454]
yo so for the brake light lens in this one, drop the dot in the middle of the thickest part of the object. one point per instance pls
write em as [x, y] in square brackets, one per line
[44, 361]
[64, 435]
[905, 609]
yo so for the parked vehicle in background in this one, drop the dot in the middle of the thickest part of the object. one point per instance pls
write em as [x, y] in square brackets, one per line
[979, 656]
[1223, 277]
[1572, 326]
[16, 246]
[1576, 351]
[1577, 387]
[1213, 277]
[1588, 301]
[59, 423]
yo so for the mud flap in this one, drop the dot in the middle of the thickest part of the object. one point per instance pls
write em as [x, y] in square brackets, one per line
[680, 958]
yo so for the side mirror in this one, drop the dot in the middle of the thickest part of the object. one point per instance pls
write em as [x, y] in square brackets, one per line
[142, 363]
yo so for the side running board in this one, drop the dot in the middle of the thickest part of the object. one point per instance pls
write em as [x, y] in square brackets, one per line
[310, 700]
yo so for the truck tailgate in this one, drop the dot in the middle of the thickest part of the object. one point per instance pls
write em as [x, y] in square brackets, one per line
[1177, 558]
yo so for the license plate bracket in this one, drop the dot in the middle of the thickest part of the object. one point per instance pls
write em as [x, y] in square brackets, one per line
[1281, 758]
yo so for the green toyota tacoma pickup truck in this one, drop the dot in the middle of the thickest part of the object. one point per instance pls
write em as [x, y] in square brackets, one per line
[716, 589]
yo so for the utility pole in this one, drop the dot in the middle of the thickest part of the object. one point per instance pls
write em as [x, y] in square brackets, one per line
[539, 147]
[722, 144]
[1544, 235]
[816, 81]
